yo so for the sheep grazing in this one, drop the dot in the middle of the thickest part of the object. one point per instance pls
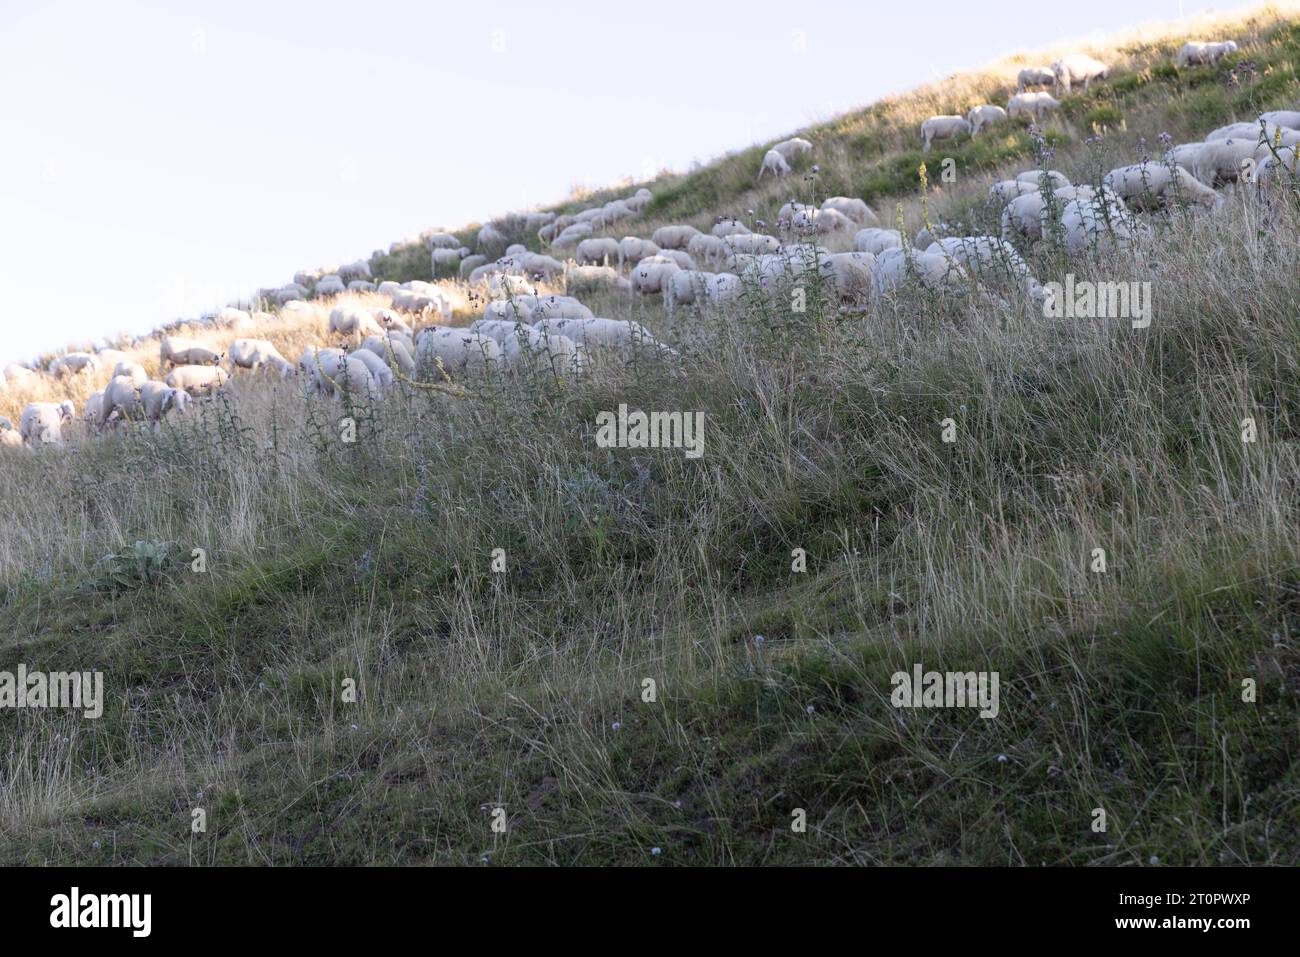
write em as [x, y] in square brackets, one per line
[673, 237]
[1224, 161]
[854, 208]
[875, 240]
[849, 274]
[570, 236]
[158, 398]
[1078, 68]
[943, 128]
[441, 240]
[379, 370]
[10, 438]
[755, 244]
[73, 363]
[178, 351]
[640, 200]
[17, 376]
[994, 261]
[792, 148]
[774, 163]
[197, 380]
[985, 115]
[729, 227]
[895, 268]
[503, 285]
[649, 276]
[1152, 185]
[706, 248]
[525, 346]
[1290, 119]
[632, 249]
[394, 351]
[353, 322]
[331, 285]
[1031, 104]
[1086, 225]
[132, 370]
[1196, 53]
[96, 412]
[1004, 191]
[286, 294]
[1035, 76]
[600, 252]
[122, 398]
[456, 353]
[1034, 177]
[558, 307]
[255, 354]
[597, 333]
[687, 287]
[42, 422]
[591, 279]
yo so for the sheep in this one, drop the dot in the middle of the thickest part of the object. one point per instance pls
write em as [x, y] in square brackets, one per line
[831, 221]
[1085, 224]
[158, 398]
[984, 115]
[528, 345]
[490, 239]
[73, 363]
[1151, 185]
[875, 240]
[729, 227]
[1078, 68]
[681, 258]
[353, 322]
[439, 258]
[1224, 161]
[378, 368]
[632, 249]
[496, 329]
[1034, 177]
[132, 370]
[685, 287]
[18, 376]
[503, 286]
[514, 309]
[1035, 76]
[331, 285]
[236, 320]
[197, 379]
[558, 307]
[10, 437]
[706, 247]
[854, 208]
[1184, 155]
[1242, 131]
[1004, 191]
[178, 351]
[994, 259]
[393, 350]
[41, 423]
[354, 270]
[849, 274]
[943, 128]
[595, 279]
[1289, 119]
[470, 263]
[774, 163]
[1196, 53]
[752, 244]
[441, 240]
[640, 200]
[1031, 104]
[571, 236]
[673, 237]
[457, 352]
[286, 294]
[601, 251]
[96, 411]
[792, 147]
[257, 354]
[650, 276]
[1022, 218]
[536, 264]
[122, 398]
[935, 271]
[598, 333]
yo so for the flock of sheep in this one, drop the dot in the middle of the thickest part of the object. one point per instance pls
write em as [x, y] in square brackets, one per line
[388, 333]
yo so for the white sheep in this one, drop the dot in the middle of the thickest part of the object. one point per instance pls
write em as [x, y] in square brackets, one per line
[673, 237]
[73, 363]
[943, 128]
[378, 368]
[729, 227]
[132, 370]
[331, 285]
[774, 163]
[632, 249]
[457, 353]
[353, 322]
[595, 279]
[177, 351]
[570, 236]
[197, 379]
[41, 423]
[1194, 53]
[158, 398]
[1289, 119]
[793, 147]
[598, 333]
[752, 244]
[393, 350]
[706, 248]
[994, 261]
[528, 346]
[875, 240]
[441, 240]
[1224, 161]
[1078, 68]
[19, 376]
[257, 354]
[354, 270]
[854, 208]
[1034, 177]
[984, 115]
[597, 251]
[895, 268]
[491, 239]
[828, 222]
[1151, 185]
[10, 437]
[1035, 76]
[558, 307]
[1086, 224]
[1004, 191]
[1031, 104]
[96, 411]
[122, 398]
[467, 266]
[849, 274]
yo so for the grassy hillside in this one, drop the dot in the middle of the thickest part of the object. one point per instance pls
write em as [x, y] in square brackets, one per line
[526, 689]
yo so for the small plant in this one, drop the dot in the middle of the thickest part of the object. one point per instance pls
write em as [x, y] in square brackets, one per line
[143, 564]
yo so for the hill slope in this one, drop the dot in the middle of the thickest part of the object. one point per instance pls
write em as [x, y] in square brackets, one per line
[652, 677]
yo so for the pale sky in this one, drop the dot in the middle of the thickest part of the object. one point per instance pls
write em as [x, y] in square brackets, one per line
[159, 159]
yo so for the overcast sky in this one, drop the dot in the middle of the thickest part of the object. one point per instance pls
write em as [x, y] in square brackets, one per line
[163, 158]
